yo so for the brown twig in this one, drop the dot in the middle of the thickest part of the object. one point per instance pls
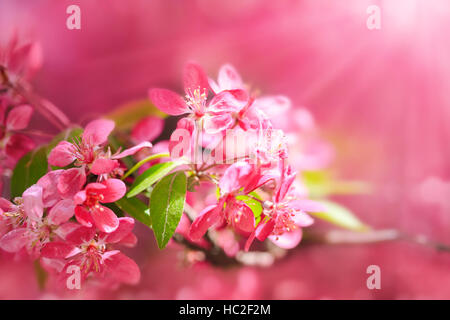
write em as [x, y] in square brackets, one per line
[341, 237]
[217, 257]
[45, 107]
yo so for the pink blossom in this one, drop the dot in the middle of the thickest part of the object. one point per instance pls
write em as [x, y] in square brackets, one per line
[240, 178]
[147, 129]
[217, 113]
[257, 112]
[20, 61]
[88, 154]
[13, 144]
[89, 211]
[285, 215]
[92, 252]
[30, 228]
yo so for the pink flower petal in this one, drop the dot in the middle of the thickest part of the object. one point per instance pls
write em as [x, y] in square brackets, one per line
[18, 145]
[3, 108]
[249, 241]
[235, 177]
[288, 240]
[32, 202]
[229, 78]
[83, 216]
[133, 150]
[115, 190]
[64, 229]
[273, 105]
[130, 240]
[71, 181]
[194, 78]
[242, 218]
[80, 235]
[121, 268]
[218, 123]
[206, 219]
[168, 101]
[49, 183]
[105, 219]
[19, 117]
[104, 166]
[287, 180]
[148, 129]
[126, 225]
[80, 197]
[97, 131]
[264, 229]
[58, 250]
[61, 212]
[307, 205]
[14, 240]
[228, 101]
[302, 219]
[62, 155]
[6, 205]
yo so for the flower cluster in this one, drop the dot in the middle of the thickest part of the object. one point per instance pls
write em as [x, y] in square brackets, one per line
[18, 63]
[79, 213]
[259, 173]
[62, 219]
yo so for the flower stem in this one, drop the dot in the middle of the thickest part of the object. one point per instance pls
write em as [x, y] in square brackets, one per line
[144, 161]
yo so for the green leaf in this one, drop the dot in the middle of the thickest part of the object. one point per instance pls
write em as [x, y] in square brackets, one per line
[129, 114]
[28, 170]
[135, 208]
[144, 161]
[340, 216]
[150, 176]
[254, 205]
[166, 206]
[322, 183]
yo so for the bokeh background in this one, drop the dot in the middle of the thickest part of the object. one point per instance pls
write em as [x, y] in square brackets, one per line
[381, 97]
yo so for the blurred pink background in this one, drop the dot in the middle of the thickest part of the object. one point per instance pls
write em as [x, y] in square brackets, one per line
[382, 97]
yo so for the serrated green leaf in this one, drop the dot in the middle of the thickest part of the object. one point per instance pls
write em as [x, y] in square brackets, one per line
[166, 206]
[150, 176]
[340, 216]
[135, 208]
[129, 114]
[28, 170]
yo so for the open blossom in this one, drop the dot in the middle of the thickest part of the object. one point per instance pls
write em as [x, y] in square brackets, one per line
[65, 218]
[218, 114]
[285, 215]
[88, 154]
[147, 129]
[93, 253]
[90, 211]
[19, 61]
[240, 178]
[30, 227]
[13, 144]
[258, 111]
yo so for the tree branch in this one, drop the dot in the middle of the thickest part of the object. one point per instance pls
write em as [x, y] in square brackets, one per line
[217, 256]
